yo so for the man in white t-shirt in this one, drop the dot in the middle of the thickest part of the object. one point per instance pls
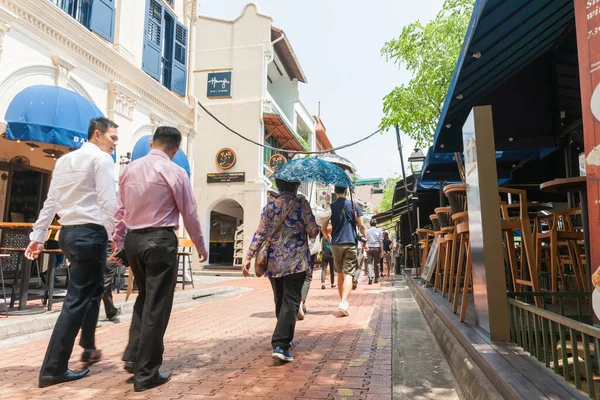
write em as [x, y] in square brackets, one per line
[375, 245]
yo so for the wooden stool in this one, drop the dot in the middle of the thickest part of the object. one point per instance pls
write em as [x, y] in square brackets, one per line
[438, 238]
[562, 234]
[447, 250]
[424, 236]
[509, 226]
[457, 197]
[461, 222]
[182, 256]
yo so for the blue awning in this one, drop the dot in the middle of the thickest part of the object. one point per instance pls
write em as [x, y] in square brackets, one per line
[50, 114]
[503, 38]
[442, 166]
[142, 148]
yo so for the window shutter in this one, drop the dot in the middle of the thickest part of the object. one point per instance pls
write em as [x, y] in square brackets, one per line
[180, 53]
[153, 38]
[102, 19]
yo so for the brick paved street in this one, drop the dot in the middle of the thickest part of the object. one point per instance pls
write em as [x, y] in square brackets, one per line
[221, 350]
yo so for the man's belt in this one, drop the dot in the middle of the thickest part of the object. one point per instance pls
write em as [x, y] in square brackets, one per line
[148, 230]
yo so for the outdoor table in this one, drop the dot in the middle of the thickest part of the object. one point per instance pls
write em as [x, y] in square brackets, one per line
[533, 208]
[569, 185]
[25, 269]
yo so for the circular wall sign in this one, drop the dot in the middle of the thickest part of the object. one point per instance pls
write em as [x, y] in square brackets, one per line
[276, 161]
[225, 158]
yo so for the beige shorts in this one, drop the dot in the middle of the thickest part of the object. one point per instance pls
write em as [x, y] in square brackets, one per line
[345, 258]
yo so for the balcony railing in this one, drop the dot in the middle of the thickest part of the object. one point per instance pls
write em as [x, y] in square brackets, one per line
[270, 106]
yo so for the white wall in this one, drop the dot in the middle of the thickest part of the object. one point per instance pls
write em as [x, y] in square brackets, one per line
[283, 89]
[240, 46]
[57, 50]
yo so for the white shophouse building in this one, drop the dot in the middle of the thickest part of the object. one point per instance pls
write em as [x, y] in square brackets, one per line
[128, 58]
[246, 74]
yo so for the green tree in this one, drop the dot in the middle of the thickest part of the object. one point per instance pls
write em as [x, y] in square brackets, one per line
[388, 194]
[429, 52]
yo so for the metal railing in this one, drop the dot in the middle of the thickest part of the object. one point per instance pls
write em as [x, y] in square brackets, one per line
[546, 335]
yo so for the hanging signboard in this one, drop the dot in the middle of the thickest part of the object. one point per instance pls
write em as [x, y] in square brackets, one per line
[219, 84]
[587, 19]
[226, 177]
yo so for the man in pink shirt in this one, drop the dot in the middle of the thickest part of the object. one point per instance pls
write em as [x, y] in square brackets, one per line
[153, 191]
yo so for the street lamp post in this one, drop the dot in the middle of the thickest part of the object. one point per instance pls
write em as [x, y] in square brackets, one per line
[410, 224]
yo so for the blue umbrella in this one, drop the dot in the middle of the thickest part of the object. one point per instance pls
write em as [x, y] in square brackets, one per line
[313, 169]
[142, 148]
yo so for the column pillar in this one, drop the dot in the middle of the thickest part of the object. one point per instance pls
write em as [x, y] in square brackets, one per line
[489, 280]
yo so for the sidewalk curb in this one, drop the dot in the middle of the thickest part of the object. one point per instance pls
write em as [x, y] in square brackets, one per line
[473, 383]
[33, 324]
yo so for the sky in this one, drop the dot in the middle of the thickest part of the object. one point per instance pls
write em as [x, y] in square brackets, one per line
[339, 46]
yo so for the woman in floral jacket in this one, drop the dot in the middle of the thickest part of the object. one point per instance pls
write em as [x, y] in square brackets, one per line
[288, 258]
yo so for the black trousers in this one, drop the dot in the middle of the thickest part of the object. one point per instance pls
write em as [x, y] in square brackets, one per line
[85, 248]
[153, 259]
[325, 261]
[110, 270]
[287, 291]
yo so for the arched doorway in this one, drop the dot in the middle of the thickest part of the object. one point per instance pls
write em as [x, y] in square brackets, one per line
[225, 217]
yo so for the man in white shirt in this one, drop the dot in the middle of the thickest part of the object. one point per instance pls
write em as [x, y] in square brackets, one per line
[375, 245]
[83, 194]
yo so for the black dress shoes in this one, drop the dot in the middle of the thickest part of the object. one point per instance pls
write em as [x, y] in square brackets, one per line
[129, 366]
[68, 376]
[159, 379]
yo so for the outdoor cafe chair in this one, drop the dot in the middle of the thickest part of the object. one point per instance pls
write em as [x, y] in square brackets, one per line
[17, 246]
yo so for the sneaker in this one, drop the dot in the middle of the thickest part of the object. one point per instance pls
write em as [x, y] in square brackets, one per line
[300, 314]
[343, 309]
[119, 312]
[281, 354]
[370, 281]
[333, 286]
[323, 286]
[354, 285]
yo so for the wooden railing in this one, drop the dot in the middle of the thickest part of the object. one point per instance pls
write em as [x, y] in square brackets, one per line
[550, 338]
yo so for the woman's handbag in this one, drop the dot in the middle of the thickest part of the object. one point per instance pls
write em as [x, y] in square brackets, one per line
[262, 258]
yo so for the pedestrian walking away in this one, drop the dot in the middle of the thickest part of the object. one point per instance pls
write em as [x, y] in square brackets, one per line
[361, 250]
[288, 258]
[82, 192]
[110, 272]
[345, 216]
[153, 192]
[387, 254]
[327, 261]
[375, 251]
